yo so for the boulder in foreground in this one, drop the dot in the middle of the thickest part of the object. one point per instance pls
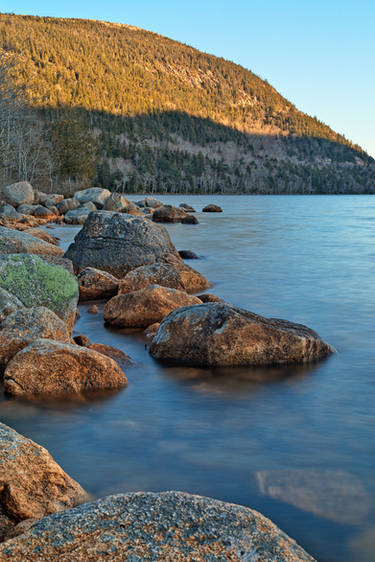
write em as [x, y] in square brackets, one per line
[35, 282]
[169, 526]
[221, 335]
[47, 368]
[142, 308]
[32, 484]
[118, 243]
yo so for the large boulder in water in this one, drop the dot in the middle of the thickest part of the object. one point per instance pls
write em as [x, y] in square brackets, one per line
[48, 368]
[96, 195]
[118, 243]
[169, 213]
[221, 335]
[32, 484]
[142, 308]
[168, 526]
[18, 193]
[16, 242]
[35, 282]
[26, 325]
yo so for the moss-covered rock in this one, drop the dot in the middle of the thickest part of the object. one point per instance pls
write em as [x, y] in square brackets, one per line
[38, 283]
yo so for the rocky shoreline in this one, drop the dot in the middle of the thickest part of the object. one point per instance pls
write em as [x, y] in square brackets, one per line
[122, 255]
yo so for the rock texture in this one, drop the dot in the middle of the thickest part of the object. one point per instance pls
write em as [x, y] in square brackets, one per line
[26, 325]
[43, 235]
[188, 255]
[96, 195]
[221, 335]
[118, 243]
[192, 279]
[77, 216]
[142, 308]
[95, 284]
[50, 368]
[32, 484]
[170, 527]
[67, 205]
[155, 274]
[116, 354]
[36, 282]
[8, 304]
[16, 242]
[119, 203]
[332, 494]
[17, 194]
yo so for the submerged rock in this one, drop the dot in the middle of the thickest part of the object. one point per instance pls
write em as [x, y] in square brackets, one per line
[51, 368]
[212, 209]
[221, 335]
[35, 282]
[168, 526]
[146, 306]
[26, 325]
[95, 284]
[187, 208]
[332, 494]
[18, 193]
[188, 255]
[16, 242]
[32, 484]
[118, 243]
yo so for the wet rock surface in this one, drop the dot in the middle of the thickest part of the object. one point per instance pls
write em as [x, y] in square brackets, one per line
[118, 243]
[221, 335]
[142, 308]
[32, 484]
[35, 282]
[170, 526]
[47, 368]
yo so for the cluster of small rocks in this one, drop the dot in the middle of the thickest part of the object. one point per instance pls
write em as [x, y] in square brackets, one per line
[20, 203]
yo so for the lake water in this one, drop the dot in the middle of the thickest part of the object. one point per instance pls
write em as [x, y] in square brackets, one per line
[296, 443]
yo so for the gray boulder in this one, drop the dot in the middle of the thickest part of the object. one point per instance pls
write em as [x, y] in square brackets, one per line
[8, 304]
[51, 200]
[38, 283]
[27, 209]
[67, 205]
[118, 203]
[77, 216]
[118, 243]
[220, 335]
[16, 242]
[7, 211]
[169, 213]
[96, 195]
[18, 194]
[89, 205]
[169, 526]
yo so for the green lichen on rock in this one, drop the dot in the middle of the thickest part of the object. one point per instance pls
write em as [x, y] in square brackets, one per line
[38, 283]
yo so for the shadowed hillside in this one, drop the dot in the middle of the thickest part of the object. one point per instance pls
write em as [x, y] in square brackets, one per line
[168, 118]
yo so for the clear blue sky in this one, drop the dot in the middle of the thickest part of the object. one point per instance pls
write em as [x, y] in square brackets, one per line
[320, 54]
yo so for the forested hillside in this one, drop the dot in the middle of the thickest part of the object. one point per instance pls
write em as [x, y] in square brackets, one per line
[132, 110]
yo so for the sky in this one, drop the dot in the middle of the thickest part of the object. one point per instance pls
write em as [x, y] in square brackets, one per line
[319, 54]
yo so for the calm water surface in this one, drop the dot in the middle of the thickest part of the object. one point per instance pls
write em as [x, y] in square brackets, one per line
[306, 259]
